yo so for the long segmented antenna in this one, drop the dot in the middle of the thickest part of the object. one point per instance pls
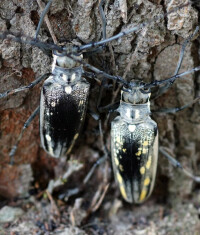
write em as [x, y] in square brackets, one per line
[171, 79]
[92, 68]
[52, 46]
[126, 32]
[116, 78]
[40, 3]
[30, 41]
[42, 17]
[176, 75]
[6, 35]
[121, 80]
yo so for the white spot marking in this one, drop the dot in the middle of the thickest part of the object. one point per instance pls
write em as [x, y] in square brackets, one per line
[73, 76]
[51, 150]
[68, 89]
[137, 114]
[48, 137]
[64, 77]
[131, 128]
[53, 104]
[54, 62]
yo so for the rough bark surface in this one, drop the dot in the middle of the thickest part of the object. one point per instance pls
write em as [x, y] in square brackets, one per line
[152, 53]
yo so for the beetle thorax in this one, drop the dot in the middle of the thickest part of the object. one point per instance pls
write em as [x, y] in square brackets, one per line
[67, 70]
[134, 113]
[134, 104]
[67, 76]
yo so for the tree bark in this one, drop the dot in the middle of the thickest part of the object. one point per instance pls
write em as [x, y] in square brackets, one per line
[148, 54]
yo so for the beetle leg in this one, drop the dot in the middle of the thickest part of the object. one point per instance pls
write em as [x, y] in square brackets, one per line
[26, 124]
[96, 164]
[177, 164]
[109, 108]
[23, 88]
[100, 160]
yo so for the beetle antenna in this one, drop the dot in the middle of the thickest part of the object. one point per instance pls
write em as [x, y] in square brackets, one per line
[40, 3]
[171, 79]
[46, 47]
[128, 31]
[46, 9]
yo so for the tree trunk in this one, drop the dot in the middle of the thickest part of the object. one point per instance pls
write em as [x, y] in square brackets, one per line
[148, 54]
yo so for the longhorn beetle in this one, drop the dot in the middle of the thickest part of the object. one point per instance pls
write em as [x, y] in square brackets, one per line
[63, 101]
[134, 145]
[134, 139]
[74, 55]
